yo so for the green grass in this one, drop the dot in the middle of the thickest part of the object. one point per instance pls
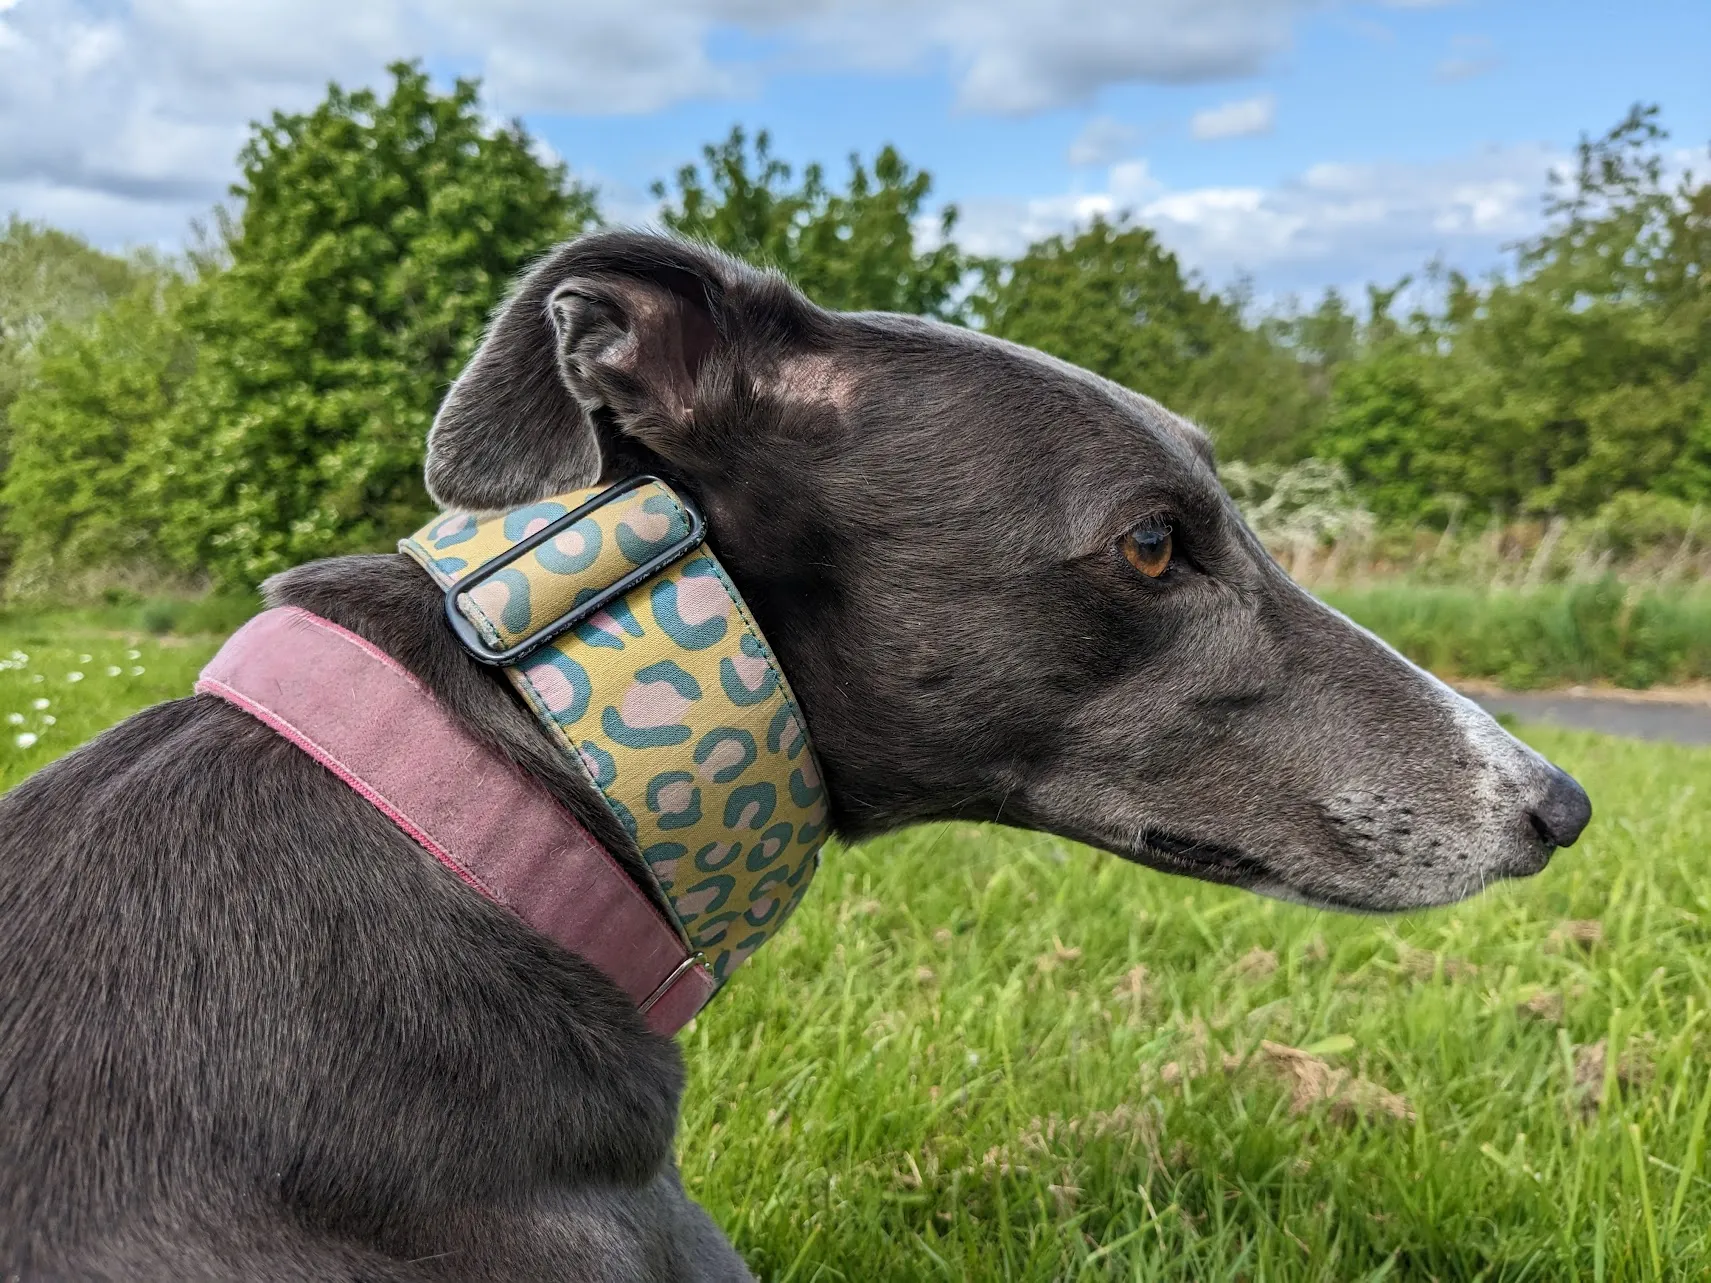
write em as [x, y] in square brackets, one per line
[1554, 634]
[950, 1066]
[67, 675]
[943, 1069]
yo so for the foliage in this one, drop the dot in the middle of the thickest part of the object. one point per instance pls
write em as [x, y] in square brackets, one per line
[1112, 299]
[854, 250]
[83, 431]
[374, 237]
[1548, 635]
[46, 277]
[1586, 374]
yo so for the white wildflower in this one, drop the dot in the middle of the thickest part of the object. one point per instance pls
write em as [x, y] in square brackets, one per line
[74, 676]
[113, 670]
[133, 654]
[138, 670]
[84, 659]
[14, 719]
[25, 740]
[40, 704]
[47, 719]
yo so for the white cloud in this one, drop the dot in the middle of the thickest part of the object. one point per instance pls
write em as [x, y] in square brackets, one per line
[1239, 119]
[1335, 223]
[1470, 56]
[148, 100]
[1102, 140]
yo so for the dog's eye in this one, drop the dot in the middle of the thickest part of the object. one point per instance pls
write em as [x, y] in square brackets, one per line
[1148, 549]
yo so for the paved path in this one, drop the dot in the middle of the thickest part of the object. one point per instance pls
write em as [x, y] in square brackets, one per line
[1686, 723]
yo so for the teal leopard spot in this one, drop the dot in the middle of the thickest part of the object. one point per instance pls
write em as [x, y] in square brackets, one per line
[454, 530]
[748, 678]
[560, 683]
[750, 805]
[716, 855]
[649, 528]
[450, 565]
[572, 551]
[673, 796]
[672, 675]
[805, 787]
[706, 896]
[785, 735]
[694, 610]
[725, 753]
[649, 715]
[609, 627]
[520, 523]
[711, 930]
[505, 596]
[602, 767]
[662, 859]
[770, 846]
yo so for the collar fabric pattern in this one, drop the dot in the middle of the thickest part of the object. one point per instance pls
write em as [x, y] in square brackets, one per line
[668, 698]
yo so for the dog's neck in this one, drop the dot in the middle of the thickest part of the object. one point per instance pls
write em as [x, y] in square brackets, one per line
[641, 662]
[659, 720]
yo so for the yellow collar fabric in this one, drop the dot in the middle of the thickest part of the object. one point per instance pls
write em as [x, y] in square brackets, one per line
[667, 696]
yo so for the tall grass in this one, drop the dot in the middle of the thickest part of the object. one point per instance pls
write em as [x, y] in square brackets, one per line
[1548, 635]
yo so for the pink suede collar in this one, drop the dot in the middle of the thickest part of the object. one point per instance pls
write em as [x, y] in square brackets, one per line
[359, 713]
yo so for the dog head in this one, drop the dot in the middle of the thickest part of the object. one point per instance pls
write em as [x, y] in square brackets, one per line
[1002, 587]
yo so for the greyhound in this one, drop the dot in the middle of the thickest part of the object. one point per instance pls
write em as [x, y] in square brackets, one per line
[249, 1029]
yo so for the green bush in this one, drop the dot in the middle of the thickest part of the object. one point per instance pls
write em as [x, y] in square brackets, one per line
[375, 236]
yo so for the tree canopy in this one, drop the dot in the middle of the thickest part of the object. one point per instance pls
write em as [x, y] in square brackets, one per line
[854, 250]
[266, 400]
[1584, 374]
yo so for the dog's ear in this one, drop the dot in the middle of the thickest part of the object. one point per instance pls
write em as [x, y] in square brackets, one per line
[603, 342]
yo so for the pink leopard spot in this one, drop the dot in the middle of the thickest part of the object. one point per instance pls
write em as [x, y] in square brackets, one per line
[491, 598]
[725, 754]
[749, 816]
[751, 670]
[700, 598]
[650, 704]
[770, 848]
[651, 526]
[450, 526]
[761, 908]
[696, 902]
[603, 622]
[556, 692]
[676, 798]
[718, 855]
[737, 958]
[810, 776]
[535, 526]
[570, 543]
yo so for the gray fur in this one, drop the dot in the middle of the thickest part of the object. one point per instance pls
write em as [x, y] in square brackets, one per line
[249, 1030]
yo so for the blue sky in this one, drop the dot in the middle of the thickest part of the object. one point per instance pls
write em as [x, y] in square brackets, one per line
[1301, 143]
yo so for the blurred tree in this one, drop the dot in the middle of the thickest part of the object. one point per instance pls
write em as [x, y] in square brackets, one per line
[372, 239]
[1114, 300]
[1585, 374]
[46, 276]
[82, 429]
[853, 250]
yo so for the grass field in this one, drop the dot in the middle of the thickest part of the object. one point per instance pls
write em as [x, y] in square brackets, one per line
[979, 1054]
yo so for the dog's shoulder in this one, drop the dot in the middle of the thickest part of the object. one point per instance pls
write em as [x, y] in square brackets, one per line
[222, 963]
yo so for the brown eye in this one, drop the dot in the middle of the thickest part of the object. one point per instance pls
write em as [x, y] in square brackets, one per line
[1148, 549]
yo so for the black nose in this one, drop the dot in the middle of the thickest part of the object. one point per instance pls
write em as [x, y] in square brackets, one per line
[1562, 814]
